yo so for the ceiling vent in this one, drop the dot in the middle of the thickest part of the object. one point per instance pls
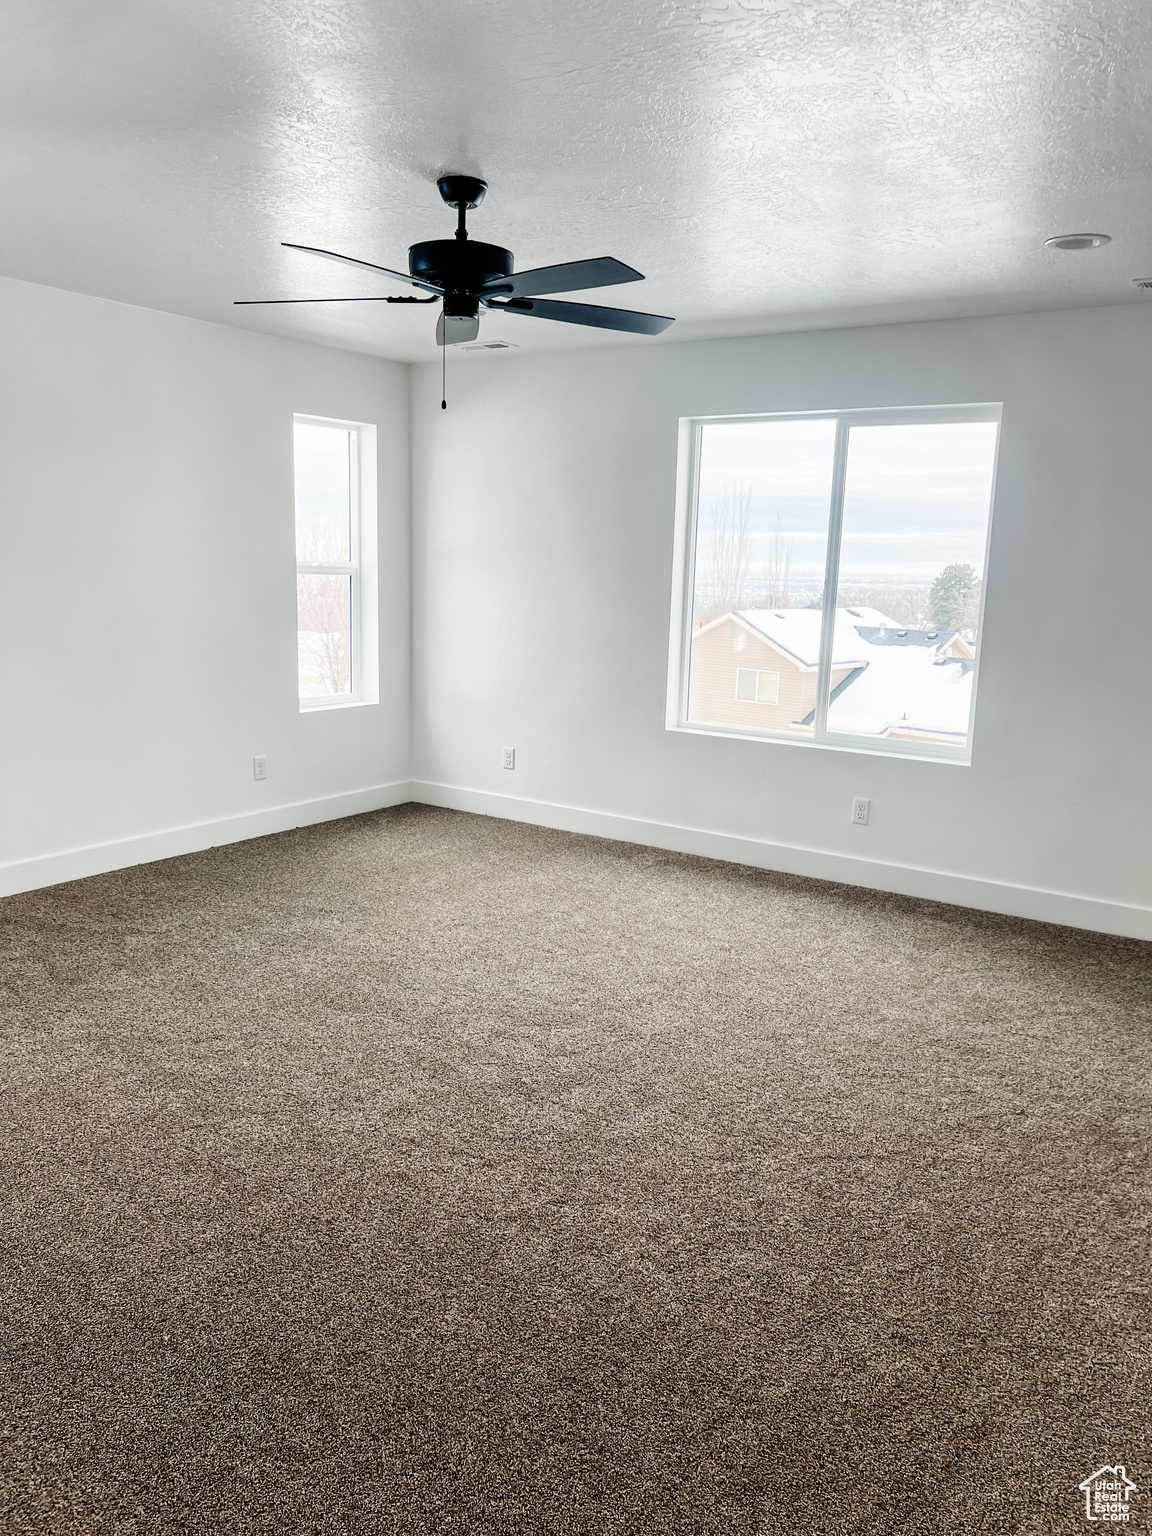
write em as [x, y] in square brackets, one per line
[1080, 242]
[1143, 282]
[510, 346]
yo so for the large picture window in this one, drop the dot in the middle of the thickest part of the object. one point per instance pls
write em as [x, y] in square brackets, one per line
[831, 577]
[334, 548]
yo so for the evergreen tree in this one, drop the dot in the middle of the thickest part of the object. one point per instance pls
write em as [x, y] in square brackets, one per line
[955, 597]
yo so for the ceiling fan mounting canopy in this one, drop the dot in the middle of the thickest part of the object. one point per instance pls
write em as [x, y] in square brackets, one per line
[466, 275]
[462, 191]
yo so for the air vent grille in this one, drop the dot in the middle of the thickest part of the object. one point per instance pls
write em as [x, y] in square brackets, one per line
[489, 346]
[1143, 282]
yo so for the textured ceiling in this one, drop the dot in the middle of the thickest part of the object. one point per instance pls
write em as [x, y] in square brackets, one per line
[766, 163]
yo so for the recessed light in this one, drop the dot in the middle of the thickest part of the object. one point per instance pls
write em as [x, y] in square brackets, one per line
[1076, 242]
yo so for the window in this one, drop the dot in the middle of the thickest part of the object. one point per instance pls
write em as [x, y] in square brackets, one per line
[335, 548]
[746, 684]
[755, 687]
[830, 577]
[768, 688]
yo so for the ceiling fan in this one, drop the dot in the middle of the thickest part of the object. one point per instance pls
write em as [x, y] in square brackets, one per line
[467, 276]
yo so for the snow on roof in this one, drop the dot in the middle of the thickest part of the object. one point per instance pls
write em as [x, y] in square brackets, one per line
[902, 684]
[797, 631]
[905, 689]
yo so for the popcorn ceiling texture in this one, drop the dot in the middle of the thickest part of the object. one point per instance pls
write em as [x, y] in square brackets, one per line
[426, 1173]
[758, 160]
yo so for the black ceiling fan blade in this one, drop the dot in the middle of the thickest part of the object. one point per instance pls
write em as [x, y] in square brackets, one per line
[371, 298]
[354, 261]
[588, 314]
[601, 272]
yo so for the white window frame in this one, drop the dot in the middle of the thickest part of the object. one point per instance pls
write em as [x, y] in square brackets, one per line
[361, 569]
[684, 579]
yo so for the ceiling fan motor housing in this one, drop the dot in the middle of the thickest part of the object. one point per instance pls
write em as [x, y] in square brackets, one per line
[459, 263]
[461, 267]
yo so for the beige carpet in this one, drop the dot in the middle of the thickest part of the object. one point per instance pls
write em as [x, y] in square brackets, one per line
[426, 1173]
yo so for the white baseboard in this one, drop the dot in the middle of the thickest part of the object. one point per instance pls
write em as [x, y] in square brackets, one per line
[1046, 906]
[98, 858]
[1127, 921]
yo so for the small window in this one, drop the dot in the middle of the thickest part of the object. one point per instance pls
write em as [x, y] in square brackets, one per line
[768, 688]
[755, 687]
[746, 684]
[853, 547]
[335, 540]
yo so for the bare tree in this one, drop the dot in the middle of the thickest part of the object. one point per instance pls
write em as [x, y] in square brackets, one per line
[778, 567]
[726, 573]
[323, 617]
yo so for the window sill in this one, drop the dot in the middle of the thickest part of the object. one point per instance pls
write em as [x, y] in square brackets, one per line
[313, 706]
[920, 752]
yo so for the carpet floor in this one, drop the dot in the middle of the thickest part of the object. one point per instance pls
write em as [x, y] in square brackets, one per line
[424, 1173]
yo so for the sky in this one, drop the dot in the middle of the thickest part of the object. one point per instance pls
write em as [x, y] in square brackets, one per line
[917, 496]
[323, 491]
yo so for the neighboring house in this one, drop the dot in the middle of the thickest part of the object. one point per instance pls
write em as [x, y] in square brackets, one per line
[756, 668]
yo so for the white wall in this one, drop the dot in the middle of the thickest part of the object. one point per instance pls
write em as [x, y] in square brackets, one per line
[543, 533]
[147, 586]
[147, 604]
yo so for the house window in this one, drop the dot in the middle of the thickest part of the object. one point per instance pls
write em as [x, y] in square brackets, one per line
[755, 687]
[843, 555]
[746, 685]
[335, 561]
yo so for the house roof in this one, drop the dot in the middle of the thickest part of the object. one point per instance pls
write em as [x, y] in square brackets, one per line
[903, 679]
[905, 688]
[796, 632]
[885, 634]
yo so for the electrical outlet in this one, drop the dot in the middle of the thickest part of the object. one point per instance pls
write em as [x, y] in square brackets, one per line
[509, 757]
[861, 812]
[259, 767]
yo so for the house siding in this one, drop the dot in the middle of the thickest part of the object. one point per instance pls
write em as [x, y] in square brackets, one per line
[718, 653]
